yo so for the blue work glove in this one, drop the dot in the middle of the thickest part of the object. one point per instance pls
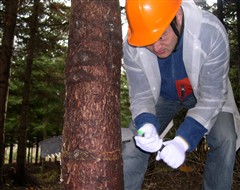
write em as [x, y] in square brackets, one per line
[173, 154]
[149, 141]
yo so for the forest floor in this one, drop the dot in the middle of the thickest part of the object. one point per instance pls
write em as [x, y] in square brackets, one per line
[158, 177]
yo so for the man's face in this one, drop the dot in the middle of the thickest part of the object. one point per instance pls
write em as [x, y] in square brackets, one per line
[167, 42]
[165, 45]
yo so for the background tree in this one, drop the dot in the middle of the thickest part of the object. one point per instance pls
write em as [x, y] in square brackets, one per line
[231, 22]
[6, 49]
[126, 116]
[220, 10]
[22, 138]
[91, 155]
[45, 117]
[238, 40]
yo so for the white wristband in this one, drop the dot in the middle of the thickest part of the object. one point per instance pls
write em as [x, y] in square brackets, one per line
[182, 142]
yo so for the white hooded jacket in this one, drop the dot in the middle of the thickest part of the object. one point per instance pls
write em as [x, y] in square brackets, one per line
[206, 59]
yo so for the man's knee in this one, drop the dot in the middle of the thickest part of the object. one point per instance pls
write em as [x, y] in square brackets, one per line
[222, 137]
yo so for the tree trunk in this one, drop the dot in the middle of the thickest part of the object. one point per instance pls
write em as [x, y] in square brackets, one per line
[11, 150]
[5, 64]
[28, 154]
[91, 155]
[22, 138]
[31, 156]
[220, 10]
[37, 151]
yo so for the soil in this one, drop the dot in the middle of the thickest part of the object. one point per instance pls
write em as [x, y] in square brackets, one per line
[39, 177]
[158, 177]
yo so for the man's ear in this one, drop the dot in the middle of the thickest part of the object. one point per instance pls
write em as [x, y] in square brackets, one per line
[179, 16]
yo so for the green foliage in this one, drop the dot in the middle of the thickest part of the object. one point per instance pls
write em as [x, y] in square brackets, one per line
[235, 81]
[124, 98]
[47, 83]
[46, 98]
[230, 22]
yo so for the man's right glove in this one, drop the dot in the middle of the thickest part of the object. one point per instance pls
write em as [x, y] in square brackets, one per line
[150, 141]
[173, 154]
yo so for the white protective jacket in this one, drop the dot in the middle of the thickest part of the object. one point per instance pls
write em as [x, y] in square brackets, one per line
[206, 59]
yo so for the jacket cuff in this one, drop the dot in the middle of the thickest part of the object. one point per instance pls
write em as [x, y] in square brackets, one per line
[144, 118]
[192, 132]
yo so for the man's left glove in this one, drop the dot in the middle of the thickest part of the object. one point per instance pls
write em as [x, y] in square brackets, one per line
[173, 154]
[150, 141]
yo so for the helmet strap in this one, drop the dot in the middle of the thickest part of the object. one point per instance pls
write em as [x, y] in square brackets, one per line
[176, 31]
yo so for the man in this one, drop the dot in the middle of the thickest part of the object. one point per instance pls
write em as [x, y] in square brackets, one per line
[176, 56]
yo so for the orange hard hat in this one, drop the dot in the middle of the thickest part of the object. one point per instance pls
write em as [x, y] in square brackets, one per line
[148, 19]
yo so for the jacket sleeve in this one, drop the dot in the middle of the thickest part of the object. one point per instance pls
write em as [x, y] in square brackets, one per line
[212, 86]
[141, 97]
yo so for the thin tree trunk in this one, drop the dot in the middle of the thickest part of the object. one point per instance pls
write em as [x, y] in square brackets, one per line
[220, 10]
[31, 156]
[11, 150]
[28, 154]
[22, 138]
[5, 64]
[37, 151]
[91, 156]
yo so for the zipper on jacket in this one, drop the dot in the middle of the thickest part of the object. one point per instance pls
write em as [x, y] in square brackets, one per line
[182, 92]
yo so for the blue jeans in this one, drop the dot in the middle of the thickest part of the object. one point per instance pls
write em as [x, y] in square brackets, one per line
[218, 171]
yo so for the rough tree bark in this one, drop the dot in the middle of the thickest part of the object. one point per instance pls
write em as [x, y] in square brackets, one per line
[5, 64]
[22, 135]
[91, 155]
